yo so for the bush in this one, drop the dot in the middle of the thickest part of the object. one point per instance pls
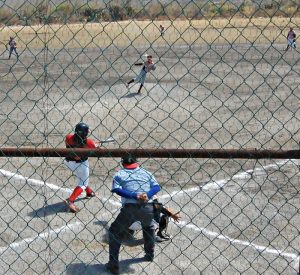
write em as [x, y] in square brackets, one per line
[289, 9]
[116, 13]
[116, 10]
[9, 17]
[155, 10]
[247, 8]
[173, 10]
[227, 9]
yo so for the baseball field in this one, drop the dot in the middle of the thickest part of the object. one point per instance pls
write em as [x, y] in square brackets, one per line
[219, 84]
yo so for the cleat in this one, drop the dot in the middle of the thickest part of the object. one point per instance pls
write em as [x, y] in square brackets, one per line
[160, 237]
[88, 196]
[71, 206]
[148, 258]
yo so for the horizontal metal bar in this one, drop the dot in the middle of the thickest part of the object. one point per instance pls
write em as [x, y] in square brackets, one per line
[153, 153]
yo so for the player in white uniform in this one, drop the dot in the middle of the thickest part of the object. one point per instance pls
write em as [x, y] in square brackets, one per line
[291, 39]
[147, 67]
[162, 30]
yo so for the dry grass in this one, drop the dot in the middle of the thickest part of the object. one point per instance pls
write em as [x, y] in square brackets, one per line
[139, 33]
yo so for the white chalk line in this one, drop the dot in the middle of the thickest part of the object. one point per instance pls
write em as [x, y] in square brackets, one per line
[211, 185]
[33, 182]
[214, 185]
[26, 242]
[51, 186]
[220, 184]
[260, 248]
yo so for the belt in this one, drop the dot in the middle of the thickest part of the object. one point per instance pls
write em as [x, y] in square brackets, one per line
[137, 205]
[77, 161]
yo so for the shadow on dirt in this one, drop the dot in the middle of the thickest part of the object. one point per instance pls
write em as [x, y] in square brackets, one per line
[84, 269]
[130, 95]
[51, 209]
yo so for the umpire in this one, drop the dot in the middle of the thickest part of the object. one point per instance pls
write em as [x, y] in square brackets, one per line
[136, 186]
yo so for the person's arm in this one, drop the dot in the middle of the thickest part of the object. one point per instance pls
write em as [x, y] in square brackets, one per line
[154, 190]
[67, 141]
[169, 212]
[91, 143]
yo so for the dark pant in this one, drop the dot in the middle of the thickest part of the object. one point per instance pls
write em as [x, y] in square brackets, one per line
[13, 49]
[129, 214]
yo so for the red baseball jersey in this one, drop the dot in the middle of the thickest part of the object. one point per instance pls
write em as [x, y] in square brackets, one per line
[70, 143]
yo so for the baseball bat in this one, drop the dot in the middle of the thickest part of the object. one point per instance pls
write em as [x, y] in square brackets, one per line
[109, 139]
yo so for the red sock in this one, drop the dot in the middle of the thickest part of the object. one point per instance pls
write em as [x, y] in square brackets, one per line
[76, 193]
[88, 190]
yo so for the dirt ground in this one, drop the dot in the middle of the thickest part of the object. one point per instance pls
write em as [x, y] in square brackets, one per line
[239, 216]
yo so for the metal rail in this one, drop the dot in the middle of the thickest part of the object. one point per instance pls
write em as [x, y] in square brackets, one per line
[154, 153]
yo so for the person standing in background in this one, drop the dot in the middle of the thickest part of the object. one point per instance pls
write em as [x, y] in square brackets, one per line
[12, 47]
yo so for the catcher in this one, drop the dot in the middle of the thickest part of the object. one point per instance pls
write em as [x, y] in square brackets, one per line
[162, 216]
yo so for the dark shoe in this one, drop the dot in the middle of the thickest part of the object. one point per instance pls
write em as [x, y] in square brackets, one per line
[88, 196]
[160, 237]
[148, 258]
[112, 268]
[71, 206]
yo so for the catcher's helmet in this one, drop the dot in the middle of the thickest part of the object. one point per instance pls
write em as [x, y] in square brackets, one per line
[82, 130]
[129, 159]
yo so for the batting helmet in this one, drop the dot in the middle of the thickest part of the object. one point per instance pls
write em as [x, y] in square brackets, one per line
[82, 130]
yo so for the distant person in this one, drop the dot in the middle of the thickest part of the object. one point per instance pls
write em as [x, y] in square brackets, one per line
[162, 30]
[12, 47]
[291, 39]
[147, 67]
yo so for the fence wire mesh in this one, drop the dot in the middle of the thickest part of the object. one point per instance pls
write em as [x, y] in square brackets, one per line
[225, 78]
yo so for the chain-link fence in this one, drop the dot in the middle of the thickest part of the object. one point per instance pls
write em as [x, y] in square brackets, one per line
[226, 77]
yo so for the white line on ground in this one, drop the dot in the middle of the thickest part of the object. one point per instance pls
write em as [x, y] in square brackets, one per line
[260, 248]
[221, 183]
[34, 182]
[77, 226]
